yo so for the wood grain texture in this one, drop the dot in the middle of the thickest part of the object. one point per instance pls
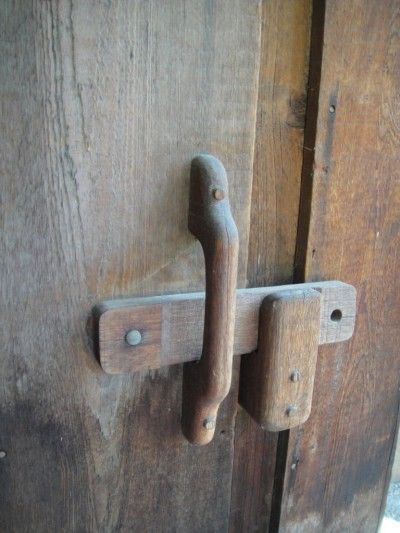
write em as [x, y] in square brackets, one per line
[338, 463]
[172, 325]
[277, 381]
[278, 157]
[104, 105]
[206, 383]
[274, 210]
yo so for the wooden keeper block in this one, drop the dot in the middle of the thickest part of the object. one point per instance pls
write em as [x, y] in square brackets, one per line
[276, 381]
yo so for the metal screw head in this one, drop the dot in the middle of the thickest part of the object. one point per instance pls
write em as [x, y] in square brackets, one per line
[290, 411]
[332, 109]
[219, 194]
[133, 337]
[295, 375]
[209, 423]
[2, 454]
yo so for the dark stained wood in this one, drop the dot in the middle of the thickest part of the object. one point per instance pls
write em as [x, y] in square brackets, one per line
[207, 382]
[274, 211]
[172, 325]
[338, 463]
[104, 104]
[277, 380]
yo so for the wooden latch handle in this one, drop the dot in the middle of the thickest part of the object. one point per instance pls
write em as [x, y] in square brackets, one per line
[207, 382]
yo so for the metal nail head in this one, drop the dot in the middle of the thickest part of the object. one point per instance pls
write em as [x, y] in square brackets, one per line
[219, 194]
[133, 337]
[295, 376]
[290, 411]
[209, 423]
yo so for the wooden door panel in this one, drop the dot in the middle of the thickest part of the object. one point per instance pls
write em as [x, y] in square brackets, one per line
[338, 464]
[105, 103]
[277, 166]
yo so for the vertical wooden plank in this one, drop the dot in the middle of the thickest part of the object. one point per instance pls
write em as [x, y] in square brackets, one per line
[104, 105]
[277, 381]
[338, 463]
[278, 156]
[274, 211]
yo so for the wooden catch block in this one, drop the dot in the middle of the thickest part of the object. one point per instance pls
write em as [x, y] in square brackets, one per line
[277, 381]
[171, 326]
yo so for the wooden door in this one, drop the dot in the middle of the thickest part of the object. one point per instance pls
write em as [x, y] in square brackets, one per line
[332, 473]
[103, 106]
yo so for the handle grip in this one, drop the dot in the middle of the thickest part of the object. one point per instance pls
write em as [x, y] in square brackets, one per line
[207, 382]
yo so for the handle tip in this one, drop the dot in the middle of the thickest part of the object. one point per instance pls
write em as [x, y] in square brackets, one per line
[199, 432]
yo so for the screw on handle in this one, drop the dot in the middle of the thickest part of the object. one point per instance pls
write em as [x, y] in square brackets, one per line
[207, 382]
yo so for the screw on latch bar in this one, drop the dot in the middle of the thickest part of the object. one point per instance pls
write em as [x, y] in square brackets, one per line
[219, 194]
[133, 337]
[290, 411]
[209, 423]
[295, 375]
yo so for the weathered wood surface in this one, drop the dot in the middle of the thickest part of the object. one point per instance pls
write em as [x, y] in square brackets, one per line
[278, 153]
[277, 380]
[172, 325]
[274, 209]
[338, 463]
[104, 106]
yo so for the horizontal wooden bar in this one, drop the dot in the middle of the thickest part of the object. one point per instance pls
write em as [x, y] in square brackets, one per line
[171, 326]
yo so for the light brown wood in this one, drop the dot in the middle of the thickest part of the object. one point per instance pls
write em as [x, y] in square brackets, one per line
[104, 106]
[207, 382]
[277, 380]
[181, 325]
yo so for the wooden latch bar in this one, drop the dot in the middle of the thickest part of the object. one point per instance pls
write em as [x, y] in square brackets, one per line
[277, 332]
[171, 326]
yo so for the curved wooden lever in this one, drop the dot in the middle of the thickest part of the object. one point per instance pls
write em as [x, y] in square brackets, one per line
[207, 381]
